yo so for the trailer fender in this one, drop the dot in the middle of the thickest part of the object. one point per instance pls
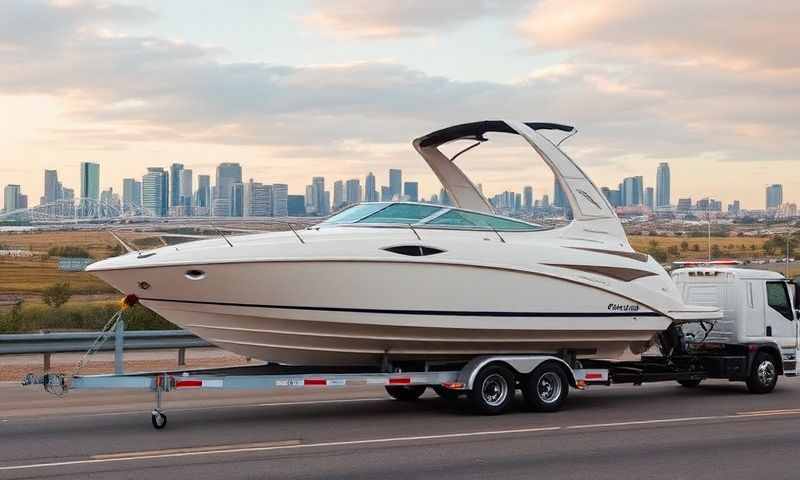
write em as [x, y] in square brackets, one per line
[520, 364]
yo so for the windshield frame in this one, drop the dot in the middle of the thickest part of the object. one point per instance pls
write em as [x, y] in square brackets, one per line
[424, 223]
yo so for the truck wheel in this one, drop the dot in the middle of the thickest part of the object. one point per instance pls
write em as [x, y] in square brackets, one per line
[405, 393]
[690, 383]
[546, 388]
[493, 390]
[764, 374]
[446, 393]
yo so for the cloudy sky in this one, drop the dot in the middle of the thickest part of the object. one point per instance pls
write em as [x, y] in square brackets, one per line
[338, 88]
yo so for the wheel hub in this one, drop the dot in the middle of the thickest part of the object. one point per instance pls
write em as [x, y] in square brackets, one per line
[549, 387]
[766, 372]
[495, 389]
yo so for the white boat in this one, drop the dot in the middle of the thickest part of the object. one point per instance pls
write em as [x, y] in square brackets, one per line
[401, 281]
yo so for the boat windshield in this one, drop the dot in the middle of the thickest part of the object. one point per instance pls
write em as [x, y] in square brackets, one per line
[424, 215]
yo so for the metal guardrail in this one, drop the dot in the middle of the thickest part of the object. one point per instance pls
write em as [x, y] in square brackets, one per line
[81, 341]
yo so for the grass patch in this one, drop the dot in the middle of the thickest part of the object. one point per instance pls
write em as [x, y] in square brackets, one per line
[89, 316]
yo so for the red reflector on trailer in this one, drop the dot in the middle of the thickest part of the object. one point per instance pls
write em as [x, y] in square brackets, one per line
[594, 376]
[315, 381]
[188, 384]
[399, 381]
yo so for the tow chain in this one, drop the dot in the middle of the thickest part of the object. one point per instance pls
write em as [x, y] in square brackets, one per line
[58, 383]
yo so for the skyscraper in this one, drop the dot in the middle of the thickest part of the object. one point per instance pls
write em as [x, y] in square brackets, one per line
[527, 202]
[131, 194]
[370, 192]
[352, 191]
[237, 199]
[203, 194]
[90, 185]
[395, 183]
[185, 185]
[11, 197]
[338, 194]
[386, 196]
[319, 200]
[411, 191]
[280, 200]
[155, 191]
[256, 201]
[175, 185]
[663, 198]
[774, 196]
[52, 187]
[559, 197]
[227, 175]
[648, 198]
[296, 205]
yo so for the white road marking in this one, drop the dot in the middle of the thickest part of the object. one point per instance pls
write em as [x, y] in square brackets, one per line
[220, 448]
[291, 445]
[281, 447]
[211, 407]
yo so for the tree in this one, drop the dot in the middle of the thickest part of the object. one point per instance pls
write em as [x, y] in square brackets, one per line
[673, 250]
[716, 252]
[695, 247]
[684, 246]
[57, 294]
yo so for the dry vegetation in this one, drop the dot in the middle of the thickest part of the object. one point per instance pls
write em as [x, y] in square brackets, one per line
[731, 247]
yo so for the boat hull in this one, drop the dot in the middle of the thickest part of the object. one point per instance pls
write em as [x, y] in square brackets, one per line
[360, 312]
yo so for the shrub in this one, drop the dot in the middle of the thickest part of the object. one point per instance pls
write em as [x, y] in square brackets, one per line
[716, 252]
[56, 294]
[684, 245]
[89, 316]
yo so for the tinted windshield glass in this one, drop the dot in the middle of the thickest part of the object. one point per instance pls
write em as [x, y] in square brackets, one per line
[352, 214]
[469, 219]
[401, 213]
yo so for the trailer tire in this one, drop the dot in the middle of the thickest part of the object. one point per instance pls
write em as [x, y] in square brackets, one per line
[159, 420]
[446, 393]
[689, 383]
[493, 390]
[405, 393]
[764, 374]
[546, 388]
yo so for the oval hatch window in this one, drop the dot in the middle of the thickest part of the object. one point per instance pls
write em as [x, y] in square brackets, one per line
[195, 274]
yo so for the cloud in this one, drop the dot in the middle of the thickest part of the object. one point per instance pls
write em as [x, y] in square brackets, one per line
[393, 19]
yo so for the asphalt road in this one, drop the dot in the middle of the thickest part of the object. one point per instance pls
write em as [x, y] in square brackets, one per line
[658, 431]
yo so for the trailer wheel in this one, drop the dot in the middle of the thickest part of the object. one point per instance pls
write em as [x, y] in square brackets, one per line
[493, 390]
[689, 383]
[546, 388]
[446, 393]
[764, 375]
[159, 420]
[405, 393]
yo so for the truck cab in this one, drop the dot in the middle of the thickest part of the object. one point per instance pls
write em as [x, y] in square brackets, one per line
[759, 308]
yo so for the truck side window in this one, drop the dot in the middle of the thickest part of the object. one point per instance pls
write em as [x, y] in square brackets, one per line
[778, 299]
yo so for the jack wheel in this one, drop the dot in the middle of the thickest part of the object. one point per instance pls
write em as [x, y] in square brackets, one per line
[159, 420]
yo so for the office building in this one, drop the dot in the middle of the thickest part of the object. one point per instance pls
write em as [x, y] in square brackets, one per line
[352, 191]
[280, 200]
[237, 200]
[227, 175]
[386, 195]
[90, 186]
[684, 204]
[774, 196]
[319, 202]
[155, 191]
[395, 184]
[185, 190]
[370, 191]
[663, 186]
[559, 197]
[338, 194]
[257, 199]
[648, 198]
[131, 194]
[527, 201]
[175, 184]
[52, 187]
[411, 191]
[296, 205]
[12, 198]
[203, 194]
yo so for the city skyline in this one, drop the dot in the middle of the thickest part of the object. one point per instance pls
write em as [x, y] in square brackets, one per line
[328, 103]
[171, 192]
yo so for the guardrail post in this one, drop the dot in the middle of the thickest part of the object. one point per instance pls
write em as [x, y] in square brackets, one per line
[181, 357]
[46, 366]
[119, 344]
